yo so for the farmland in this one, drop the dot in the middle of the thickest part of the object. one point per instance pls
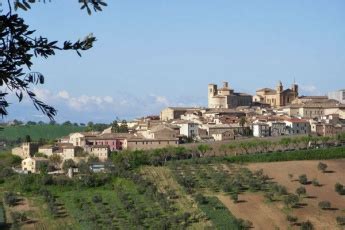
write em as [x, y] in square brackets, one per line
[36, 132]
[239, 192]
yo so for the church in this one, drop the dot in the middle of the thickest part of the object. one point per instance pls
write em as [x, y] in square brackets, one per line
[278, 97]
[226, 98]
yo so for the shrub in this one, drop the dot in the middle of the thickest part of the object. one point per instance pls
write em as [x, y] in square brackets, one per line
[291, 219]
[97, 199]
[307, 226]
[315, 182]
[234, 197]
[325, 205]
[301, 191]
[322, 167]
[201, 199]
[339, 188]
[341, 220]
[10, 199]
[291, 200]
[303, 179]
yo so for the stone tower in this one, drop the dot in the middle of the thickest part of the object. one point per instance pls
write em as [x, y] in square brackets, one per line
[279, 99]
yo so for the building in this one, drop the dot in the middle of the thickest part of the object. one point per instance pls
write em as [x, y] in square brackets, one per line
[78, 139]
[148, 144]
[47, 150]
[172, 113]
[278, 97]
[338, 96]
[115, 141]
[26, 150]
[100, 151]
[277, 128]
[34, 164]
[226, 97]
[298, 126]
[224, 136]
[261, 130]
[189, 129]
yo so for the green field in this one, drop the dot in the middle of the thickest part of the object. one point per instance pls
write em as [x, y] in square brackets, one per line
[48, 132]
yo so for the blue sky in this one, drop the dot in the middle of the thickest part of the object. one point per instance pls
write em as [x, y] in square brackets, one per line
[151, 54]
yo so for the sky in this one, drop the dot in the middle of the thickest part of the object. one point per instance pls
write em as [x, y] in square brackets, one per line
[157, 53]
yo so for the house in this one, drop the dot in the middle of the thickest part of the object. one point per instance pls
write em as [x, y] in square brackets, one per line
[47, 150]
[261, 130]
[224, 136]
[172, 113]
[78, 139]
[160, 131]
[147, 144]
[277, 128]
[26, 150]
[188, 129]
[34, 164]
[114, 141]
[100, 151]
[297, 126]
[67, 153]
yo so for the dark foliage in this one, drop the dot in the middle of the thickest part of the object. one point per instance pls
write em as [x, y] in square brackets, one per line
[18, 47]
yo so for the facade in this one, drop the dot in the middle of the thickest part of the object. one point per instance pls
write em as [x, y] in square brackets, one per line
[67, 153]
[189, 129]
[298, 126]
[172, 113]
[100, 151]
[33, 164]
[261, 130]
[47, 150]
[277, 128]
[147, 144]
[26, 150]
[115, 141]
[278, 97]
[226, 97]
[224, 136]
[338, 96]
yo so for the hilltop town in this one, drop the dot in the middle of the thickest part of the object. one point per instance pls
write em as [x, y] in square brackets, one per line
[229, 117]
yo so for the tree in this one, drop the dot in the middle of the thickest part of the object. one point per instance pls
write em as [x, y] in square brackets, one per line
[27, 138]
[292, 219]
[339, 188]
[303, 179]
[68, 164]
[341, 220]
[243, 121]
[307, 226]
[19, 46]
[324, 205]
[301, 191]
[115, 127]
[123, 127]
[56, 160]
[322, 167]
[234, 197]
[291, 200]
[204, 148]
[315, 182]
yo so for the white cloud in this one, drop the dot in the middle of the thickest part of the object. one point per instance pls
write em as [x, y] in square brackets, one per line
[162, 100]
[63, 94]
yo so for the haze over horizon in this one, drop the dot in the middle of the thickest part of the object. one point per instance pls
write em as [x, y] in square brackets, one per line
[154, 54]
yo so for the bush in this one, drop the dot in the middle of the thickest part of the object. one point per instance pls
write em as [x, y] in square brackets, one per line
[324, 205]
[291, 219]
[10, 199]
[291, 200]
[97, 199]
[322, 167]
[303, 179]
[315, 182]
[307, 226]
[339, 188]
[201, 199]
[234, 197]
[341, 220]
[301, 191]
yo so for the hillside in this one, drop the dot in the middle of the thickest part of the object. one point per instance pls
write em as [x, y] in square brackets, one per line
[12, 133]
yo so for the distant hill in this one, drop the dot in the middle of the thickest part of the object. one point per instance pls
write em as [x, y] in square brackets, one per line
[49, 132]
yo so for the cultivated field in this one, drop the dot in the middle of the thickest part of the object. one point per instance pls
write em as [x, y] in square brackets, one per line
[279, 172]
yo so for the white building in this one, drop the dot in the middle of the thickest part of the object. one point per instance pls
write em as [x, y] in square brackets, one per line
[189, 129]
[33, 164]
[261, 130]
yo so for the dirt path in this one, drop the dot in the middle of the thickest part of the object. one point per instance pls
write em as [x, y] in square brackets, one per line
[253, 208]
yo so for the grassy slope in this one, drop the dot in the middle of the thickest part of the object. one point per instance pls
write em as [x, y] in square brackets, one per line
[38, 131]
